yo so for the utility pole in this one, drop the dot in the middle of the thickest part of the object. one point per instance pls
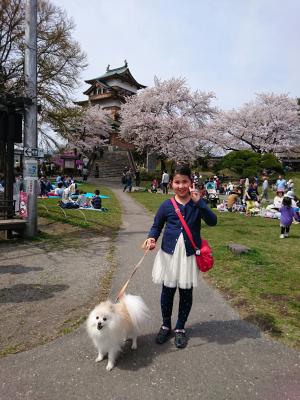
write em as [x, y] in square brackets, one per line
[30, 120]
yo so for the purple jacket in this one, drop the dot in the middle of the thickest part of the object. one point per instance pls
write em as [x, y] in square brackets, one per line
[286, 216]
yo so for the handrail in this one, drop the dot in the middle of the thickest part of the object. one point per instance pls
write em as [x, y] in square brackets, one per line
[131, 160]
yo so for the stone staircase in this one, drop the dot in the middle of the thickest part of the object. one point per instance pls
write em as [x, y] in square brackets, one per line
[111, 164]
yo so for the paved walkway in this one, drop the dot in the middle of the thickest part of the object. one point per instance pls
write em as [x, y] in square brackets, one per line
[226, 358]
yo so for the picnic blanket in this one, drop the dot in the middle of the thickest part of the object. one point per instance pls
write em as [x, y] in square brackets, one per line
[88, 195]
[94, 209]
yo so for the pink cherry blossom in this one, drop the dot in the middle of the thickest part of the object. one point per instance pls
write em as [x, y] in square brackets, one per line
[167, 119]
[270, 123]
[90, 130]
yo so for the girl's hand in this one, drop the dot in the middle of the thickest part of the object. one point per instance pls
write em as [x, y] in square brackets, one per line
[195, 195]
[149, 243]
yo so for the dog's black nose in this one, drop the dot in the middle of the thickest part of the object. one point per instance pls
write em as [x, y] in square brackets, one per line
[99, 326]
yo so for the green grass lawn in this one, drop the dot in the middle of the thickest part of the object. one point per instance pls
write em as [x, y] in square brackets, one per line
[263, 284]
[102, 222]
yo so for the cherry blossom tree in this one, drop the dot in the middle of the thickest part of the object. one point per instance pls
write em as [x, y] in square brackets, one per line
[269, 124]
[86, 130]
[167, 119]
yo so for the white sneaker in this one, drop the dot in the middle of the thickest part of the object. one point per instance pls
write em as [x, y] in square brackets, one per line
[281, 236]
[286, 235]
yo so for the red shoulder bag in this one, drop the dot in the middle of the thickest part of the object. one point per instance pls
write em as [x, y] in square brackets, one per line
[204, 257]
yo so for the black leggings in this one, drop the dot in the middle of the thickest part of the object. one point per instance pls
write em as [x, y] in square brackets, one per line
[285, 229]
[185, 305]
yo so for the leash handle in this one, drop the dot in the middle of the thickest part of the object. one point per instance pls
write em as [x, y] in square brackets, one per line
[124, 287]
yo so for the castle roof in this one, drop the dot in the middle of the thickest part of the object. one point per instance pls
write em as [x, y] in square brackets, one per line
[122, 73]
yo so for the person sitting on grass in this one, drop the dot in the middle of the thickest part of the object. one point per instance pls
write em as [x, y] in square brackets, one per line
[82, 199]
[252, 198]
[154, 185]
[277, 202]
[58, 191]
[66, 200]
[67, 193]
[96, 200]
[233, 198]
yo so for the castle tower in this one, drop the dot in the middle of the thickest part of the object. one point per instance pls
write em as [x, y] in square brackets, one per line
[109, 91]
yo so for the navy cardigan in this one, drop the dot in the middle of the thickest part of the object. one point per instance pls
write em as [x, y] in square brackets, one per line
[192, 213]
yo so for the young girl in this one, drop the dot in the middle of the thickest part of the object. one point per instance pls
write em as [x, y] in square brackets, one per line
[286, 217]
[175, 264]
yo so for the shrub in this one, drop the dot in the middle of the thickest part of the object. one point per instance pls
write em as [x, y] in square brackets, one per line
[247, 163]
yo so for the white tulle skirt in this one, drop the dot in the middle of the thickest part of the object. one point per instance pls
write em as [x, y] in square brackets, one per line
[176, 269]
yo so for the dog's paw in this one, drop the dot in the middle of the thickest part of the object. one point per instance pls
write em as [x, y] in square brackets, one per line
[99, 358]
[109, 366]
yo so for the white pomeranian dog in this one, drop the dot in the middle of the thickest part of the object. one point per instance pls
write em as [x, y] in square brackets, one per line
[109, 325]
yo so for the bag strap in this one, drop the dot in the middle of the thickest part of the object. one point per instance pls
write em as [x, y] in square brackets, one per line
[184, 224]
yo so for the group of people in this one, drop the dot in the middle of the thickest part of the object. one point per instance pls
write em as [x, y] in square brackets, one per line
[164, 183]
[47, 188]
[285, 205]
[72, 198]
[50, 168]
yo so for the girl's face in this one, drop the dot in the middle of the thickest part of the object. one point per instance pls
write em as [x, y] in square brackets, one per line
[181, 185]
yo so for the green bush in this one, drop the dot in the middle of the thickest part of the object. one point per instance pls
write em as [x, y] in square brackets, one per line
[271, 163]
[247, 163]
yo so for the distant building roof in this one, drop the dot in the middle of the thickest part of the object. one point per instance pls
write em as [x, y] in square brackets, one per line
[121, 72]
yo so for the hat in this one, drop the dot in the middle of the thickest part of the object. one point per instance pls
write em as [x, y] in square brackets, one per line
[290, 181]
[290, 194]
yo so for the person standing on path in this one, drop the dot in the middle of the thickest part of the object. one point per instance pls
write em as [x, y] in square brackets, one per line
[85, 173]
[128, 181]
[265, 186]
[175, 264]
[165, 179]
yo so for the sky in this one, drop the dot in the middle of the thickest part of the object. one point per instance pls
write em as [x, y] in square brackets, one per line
[235, 48]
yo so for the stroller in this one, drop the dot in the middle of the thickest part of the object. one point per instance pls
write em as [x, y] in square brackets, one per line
[212, 197]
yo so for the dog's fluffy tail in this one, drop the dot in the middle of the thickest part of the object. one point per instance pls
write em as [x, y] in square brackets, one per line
[137, 309]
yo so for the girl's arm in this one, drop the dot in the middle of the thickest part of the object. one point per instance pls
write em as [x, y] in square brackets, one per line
[158, 224]
[209, 217]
